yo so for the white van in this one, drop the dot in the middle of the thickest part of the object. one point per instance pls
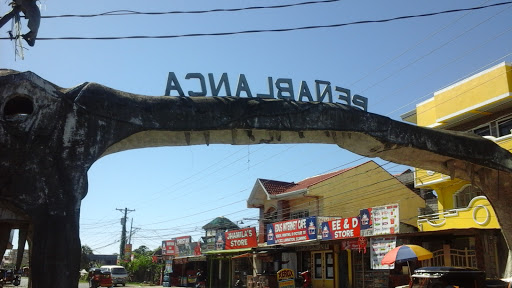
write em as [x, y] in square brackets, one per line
[119, 274]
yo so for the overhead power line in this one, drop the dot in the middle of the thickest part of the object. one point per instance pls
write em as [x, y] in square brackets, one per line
[272, 30]
[130, 12]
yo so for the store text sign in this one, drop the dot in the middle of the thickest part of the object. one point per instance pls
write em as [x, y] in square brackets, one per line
[341, 228]
[280, 88]
[244, 238]
[290, 231]
[286, 278]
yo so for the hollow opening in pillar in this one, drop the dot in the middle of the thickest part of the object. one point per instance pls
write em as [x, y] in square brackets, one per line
[19, 106]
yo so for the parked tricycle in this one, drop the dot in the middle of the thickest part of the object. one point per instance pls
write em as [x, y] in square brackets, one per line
[450, 277]
[98, 278]
[9, 276]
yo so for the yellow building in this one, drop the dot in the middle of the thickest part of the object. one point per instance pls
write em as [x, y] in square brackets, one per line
[339, 194]
[480, 104]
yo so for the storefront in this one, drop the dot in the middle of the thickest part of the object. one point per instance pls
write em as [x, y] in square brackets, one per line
[185, 270]
[223, 270]
[232, 260]
[183, 261]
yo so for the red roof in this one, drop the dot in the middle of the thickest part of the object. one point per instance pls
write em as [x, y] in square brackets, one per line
[278, 187]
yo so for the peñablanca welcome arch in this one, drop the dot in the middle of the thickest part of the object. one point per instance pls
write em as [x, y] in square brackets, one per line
[50, 136]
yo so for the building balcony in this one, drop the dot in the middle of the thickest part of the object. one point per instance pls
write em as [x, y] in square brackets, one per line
[425, 178]
[479, 214]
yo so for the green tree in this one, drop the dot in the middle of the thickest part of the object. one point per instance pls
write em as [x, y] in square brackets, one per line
[143, 250]
[84, 257]
[142, 268]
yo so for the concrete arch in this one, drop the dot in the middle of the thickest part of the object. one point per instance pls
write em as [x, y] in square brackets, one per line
[50, 136]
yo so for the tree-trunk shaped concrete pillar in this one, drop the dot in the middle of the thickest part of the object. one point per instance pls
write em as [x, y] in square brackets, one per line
[50, 136]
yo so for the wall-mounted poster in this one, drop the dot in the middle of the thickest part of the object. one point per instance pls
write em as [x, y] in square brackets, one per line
[385, 219]
[379, 247]
[168, 266]
[291, 231]
[220, 241]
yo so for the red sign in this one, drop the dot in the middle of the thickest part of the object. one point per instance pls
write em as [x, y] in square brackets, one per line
[350, 244]
[341, 228]
[290, 231]
[169, 247]
[244, 238]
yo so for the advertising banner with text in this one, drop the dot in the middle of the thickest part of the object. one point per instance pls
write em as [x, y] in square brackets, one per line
[341, 228]
[386, 219]
[244, 238]
[169, 247]
[379, 248]
[291, 231]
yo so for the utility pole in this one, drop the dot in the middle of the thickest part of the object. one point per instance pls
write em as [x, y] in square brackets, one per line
[130, 237]
[123, 231]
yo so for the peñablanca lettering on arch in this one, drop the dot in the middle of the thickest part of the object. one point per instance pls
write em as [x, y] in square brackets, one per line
[280, 88]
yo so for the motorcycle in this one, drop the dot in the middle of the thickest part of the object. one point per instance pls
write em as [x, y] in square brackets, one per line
[306, 279]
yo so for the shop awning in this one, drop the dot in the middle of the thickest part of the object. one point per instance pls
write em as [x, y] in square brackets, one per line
[186, 259]
[230, 251]
[245, 255]
[303, 243]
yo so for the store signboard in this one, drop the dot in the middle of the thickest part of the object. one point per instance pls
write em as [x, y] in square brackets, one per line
[183, 246]
[169, 248]
[243, 238]
[350, 244]
[180, 246]
[296, 230]
[385, 219]
[379, 247]
[341, 228]
[286, 278]
[380, 220]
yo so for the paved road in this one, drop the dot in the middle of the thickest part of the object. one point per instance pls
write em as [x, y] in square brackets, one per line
[24, 284]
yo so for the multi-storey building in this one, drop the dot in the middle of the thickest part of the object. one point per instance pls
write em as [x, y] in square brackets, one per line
[468, 233]
[317, 223]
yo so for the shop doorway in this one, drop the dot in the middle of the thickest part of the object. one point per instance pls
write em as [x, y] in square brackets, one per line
[323, 269]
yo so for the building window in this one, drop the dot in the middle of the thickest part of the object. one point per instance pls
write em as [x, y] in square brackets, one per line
[483, 130]
[299, 214]
[329, 265]
[271, 215]
[318, 266]
[504, 127]
[464, 196]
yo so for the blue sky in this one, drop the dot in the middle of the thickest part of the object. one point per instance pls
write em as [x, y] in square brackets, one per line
[176, 190]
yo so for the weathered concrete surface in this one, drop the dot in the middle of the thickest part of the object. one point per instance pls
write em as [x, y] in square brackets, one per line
[50, 136]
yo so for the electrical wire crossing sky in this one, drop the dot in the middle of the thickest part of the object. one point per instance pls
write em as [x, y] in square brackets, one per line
[395, 53]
